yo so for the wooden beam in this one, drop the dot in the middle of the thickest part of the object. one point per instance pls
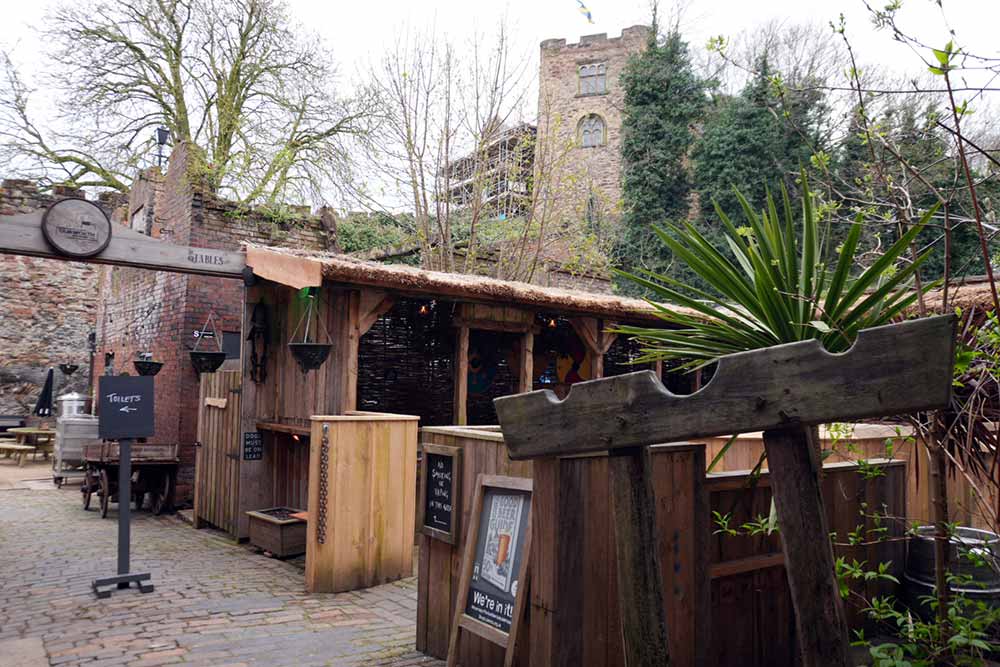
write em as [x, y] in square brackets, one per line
[891, 370]
[255, 483]
[805, 542]
[374, 304]
[462, 377]
[22, 235]
[526, 372]
[285, 269]
[640, 581]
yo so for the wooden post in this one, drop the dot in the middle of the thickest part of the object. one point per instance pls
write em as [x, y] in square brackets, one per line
[526, 374]
[640, 582]
[805, 541]
[462, 377]
[254, 490]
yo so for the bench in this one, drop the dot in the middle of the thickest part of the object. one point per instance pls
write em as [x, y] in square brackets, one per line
[20, 451]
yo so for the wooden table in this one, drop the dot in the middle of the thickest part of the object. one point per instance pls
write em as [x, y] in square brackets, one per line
[39, 438]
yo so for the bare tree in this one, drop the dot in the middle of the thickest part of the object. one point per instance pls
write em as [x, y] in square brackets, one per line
[453, 145]
[236, 79]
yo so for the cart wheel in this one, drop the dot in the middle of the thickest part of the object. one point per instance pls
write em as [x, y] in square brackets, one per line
[161, 494]
[105, 492]
[87, 489]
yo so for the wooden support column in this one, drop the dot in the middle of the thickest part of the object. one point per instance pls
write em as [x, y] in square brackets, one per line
[640, 581]
[461, 416]
[805, 541]
[255, 490]
[596, 339]
[526, 372]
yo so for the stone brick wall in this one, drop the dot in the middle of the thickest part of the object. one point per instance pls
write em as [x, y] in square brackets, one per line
[47, 309]
[158, 312]
[561, 107]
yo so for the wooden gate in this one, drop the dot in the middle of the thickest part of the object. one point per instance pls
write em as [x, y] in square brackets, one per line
[216, 491]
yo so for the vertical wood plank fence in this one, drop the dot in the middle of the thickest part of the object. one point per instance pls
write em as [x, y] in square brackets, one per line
[218, 457]
[726, 596]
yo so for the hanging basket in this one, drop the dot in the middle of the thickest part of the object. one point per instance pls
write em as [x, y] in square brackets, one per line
[145, 367]
[204, 361]
[310, 355]
[207, 362]
[68, 369]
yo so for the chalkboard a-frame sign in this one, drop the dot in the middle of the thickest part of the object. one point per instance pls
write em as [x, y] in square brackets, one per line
[492, 589]
[440, 492]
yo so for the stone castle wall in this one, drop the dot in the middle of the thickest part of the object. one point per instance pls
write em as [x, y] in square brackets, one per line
[47, 309]
[561, 107]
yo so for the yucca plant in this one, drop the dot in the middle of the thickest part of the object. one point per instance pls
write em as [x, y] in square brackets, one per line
[777, 281]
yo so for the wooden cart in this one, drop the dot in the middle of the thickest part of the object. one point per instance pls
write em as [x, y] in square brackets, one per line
[154, 471]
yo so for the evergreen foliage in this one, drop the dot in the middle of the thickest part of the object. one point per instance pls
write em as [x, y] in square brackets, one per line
[664, 99]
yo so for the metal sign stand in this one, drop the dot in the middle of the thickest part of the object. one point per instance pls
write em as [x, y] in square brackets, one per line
[126, 412]
[104, 587]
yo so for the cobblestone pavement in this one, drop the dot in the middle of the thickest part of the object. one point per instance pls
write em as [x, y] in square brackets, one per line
[215, 603]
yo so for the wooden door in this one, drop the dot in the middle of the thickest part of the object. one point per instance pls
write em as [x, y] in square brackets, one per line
[218, 463]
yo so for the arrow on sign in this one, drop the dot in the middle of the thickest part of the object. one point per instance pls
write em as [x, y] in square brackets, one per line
[127, 408]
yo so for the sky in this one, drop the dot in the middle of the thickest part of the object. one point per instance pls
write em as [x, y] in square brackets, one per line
[358, 31]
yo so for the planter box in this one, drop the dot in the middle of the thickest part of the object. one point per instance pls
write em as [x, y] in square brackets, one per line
[276, 531]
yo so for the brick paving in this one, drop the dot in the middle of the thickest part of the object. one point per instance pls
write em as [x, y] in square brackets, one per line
[215, 603]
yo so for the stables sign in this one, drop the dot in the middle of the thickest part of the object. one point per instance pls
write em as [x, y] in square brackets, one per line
[76, 228]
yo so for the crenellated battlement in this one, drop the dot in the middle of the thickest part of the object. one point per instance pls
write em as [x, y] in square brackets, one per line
[629, 34]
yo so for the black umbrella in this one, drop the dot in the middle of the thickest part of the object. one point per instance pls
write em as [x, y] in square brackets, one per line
[43, 408]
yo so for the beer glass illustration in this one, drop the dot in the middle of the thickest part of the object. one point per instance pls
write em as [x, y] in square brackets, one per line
[502, 550]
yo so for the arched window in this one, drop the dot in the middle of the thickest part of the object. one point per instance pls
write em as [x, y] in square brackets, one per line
[593, 79]
[592, 131]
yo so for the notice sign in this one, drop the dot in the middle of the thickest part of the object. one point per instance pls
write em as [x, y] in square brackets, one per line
[441, 489]
[125, 406]
[495, 566]
[253, 446]
[503, 527]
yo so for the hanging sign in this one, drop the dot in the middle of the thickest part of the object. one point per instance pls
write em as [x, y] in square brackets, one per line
[492, 589]
[125, 406]
[76, 228]
[253, 446]
[441, 490]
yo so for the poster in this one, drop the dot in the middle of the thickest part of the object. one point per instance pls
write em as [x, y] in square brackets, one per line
[498, 556]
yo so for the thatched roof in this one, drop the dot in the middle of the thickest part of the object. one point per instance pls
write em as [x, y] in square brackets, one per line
[300, 269]
[973, 291]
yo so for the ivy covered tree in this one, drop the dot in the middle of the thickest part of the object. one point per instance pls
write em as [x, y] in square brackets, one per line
[664, 100]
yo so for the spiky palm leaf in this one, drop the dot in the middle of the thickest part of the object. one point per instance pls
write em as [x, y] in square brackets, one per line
[773, 287]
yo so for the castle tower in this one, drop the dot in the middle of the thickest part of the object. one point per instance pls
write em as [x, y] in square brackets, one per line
[580, 105]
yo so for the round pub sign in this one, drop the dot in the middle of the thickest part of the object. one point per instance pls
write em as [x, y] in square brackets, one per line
[76, 227]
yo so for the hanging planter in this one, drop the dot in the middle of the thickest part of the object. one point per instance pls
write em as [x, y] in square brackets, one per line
[205, 361]
[145, 365]
[309, 354]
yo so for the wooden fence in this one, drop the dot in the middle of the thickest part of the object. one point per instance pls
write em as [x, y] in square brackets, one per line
[726, 596]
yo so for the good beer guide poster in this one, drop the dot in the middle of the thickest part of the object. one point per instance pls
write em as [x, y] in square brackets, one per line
[498, 556]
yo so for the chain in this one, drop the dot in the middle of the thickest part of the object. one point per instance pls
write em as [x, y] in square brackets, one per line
[324, 466]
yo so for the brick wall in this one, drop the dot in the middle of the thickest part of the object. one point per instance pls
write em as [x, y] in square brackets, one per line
[159, 312]
[47, 309]
[561, 107]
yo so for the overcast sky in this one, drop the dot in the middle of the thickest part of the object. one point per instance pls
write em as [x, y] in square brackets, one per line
[359, 29]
